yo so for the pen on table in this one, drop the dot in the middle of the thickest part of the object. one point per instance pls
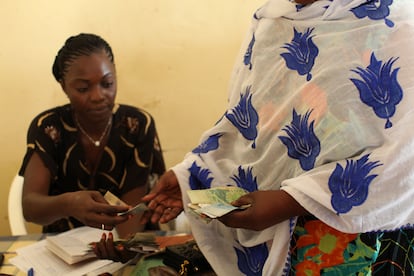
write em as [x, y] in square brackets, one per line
[30, 272]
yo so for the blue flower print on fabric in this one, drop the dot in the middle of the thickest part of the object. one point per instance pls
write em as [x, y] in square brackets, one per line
[212, 143]
[349, 186]
[251, 260]
[375, 10]
[199, 178]
[248, 55]
[301, 142]
[379, 88]
[302, 53]
[246, 180]
[244, 117]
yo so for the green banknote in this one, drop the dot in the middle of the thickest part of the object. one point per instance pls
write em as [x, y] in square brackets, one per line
[215, 202]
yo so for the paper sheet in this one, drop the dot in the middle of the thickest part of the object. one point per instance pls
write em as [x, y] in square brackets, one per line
[44, 262]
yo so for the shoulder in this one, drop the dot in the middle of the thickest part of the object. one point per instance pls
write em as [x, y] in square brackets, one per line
[128, 112]
[55, 115]
[134, 120]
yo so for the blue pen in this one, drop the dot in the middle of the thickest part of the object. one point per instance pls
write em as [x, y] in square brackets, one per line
[30, 272]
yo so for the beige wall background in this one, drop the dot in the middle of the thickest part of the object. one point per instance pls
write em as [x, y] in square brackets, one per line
[174, 59]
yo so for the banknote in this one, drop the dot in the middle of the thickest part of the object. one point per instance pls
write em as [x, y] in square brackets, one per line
[212, 203]
[143, 242]
[138, 209]
[225, 194]
[114, 200]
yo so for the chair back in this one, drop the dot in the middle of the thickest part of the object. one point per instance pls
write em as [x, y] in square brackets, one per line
[15, 209]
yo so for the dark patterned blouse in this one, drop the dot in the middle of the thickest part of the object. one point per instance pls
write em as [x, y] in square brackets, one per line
[131, 158]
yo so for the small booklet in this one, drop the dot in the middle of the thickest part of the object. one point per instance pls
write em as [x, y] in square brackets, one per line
[73, 246]
[114, 200]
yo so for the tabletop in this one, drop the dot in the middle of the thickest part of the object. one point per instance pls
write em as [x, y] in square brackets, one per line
[9, 245]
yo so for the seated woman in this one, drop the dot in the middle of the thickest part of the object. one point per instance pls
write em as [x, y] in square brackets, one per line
[79, 151]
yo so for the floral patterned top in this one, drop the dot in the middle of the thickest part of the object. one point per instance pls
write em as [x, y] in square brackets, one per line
[131, 158]
[320, 105]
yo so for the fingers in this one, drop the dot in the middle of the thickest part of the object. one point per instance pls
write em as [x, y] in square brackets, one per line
[99, 248]
[169, 214]
[106, 248]
[243, 200]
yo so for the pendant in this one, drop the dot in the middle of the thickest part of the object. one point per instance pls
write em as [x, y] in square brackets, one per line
[97, 143]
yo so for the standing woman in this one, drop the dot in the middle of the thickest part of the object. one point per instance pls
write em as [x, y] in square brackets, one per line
[79, 151]
[319, 129]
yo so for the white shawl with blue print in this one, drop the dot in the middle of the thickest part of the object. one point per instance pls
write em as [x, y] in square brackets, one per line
[321, 105]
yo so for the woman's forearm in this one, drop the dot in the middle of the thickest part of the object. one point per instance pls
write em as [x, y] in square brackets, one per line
[43, 209]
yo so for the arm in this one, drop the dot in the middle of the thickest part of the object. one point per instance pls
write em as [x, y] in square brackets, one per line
[89, 207]
[267, 208]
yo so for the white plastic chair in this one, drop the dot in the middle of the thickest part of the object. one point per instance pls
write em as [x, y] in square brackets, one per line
[15, 209]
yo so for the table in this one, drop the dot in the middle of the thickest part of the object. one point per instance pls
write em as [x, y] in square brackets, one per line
[9, 245]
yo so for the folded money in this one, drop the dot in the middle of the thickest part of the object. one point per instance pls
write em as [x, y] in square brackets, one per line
[114, 200]
[143, 242]
[214, 202]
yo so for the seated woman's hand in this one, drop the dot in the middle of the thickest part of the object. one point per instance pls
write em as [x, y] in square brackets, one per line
[91, 208]
[106, 248]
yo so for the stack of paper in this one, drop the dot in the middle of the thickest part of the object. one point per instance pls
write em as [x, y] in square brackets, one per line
[215, 202]
[70, 246]
[75, 244]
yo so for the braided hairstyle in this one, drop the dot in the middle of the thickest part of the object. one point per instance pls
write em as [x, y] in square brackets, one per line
[75, 46]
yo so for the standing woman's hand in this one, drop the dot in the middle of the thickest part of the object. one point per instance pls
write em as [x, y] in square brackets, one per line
[267, 208]
[165, 200]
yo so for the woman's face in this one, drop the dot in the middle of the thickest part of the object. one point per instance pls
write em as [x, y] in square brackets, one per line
[90, 84]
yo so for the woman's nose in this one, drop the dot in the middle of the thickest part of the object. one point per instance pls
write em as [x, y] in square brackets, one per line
[96, 93]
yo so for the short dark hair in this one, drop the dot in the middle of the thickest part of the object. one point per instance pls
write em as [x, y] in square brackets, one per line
[83, 44]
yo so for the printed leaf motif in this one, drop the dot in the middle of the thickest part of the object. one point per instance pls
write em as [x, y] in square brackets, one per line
[199, 179]
[301, 142]
[349, 186]
[375, 10]
[244, 117]
[251, 260]
[302, 53]
[246, 180]
[249, 52]
[379, 88]
[212, 143]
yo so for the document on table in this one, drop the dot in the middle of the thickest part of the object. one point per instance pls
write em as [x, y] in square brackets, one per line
[45, 262]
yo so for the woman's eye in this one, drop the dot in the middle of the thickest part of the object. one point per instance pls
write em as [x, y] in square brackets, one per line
[82, 89]
[107, 84]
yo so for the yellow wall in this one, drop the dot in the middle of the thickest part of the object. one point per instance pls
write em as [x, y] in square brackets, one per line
[174, 59]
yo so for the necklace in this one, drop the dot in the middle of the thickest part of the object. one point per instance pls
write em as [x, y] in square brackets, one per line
[98, 142]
